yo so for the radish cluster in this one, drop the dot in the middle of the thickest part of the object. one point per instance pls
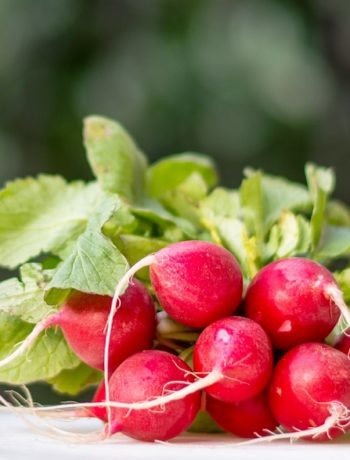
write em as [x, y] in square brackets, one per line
[290, 308]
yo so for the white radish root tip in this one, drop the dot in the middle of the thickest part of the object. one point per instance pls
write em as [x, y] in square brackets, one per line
[210, 379]
[339, 418]
[31, 415]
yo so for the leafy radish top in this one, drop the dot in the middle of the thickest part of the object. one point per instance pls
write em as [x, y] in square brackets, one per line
[65, 237]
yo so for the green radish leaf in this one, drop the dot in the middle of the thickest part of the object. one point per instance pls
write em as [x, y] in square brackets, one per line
[42, 215]
[235, 237]
[295, 235]
[304, 243]
[152, 211]
[343, 279]
[289, 233]
[169, 173]
[337, 213]
[136, 247]
[47, 357]
[335, 242]
[252, 202]
[117, 162]
[271, 246]
[203, 423]
[321, 183]
[221, 202]
[96, 264]
[24, 297]
[219, 213]
[264, 198]
[73, 381]
[184, 199]
[282, 195]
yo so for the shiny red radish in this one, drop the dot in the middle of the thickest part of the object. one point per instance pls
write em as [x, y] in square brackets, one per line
[295, 300]
[310, 392]
[239, 351]
[144, 377]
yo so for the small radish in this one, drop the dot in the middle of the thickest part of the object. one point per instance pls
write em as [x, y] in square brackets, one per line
[237, 350]
[310, 392]
[343, 342]
[83, 318]
[145, 376]
[295, 300]
[196, 282]
[246, 419]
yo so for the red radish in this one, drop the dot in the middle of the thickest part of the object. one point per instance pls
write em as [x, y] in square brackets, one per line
[295, 300]
[83, 318]
[343, 342]
[247, 419]
[310, 391]
[233, 356]
[239, 350]
[145, 376]
[196, 282]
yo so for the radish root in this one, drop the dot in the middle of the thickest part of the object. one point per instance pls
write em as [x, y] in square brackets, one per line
[29, 340]
[336, 295]
[339, 418]
[120, 288]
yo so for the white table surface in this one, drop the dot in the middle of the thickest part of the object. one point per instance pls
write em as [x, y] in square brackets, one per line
[19, 441]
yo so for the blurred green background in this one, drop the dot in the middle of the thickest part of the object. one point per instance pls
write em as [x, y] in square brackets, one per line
[264, 83]
[251, 82]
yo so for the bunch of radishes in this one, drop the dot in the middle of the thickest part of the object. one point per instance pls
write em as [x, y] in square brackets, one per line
[262, 347]
[265, 371]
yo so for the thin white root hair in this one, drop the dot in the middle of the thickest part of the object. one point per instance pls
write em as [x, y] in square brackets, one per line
[200, 384]
[336, 295]
[27, 342]
[339, 418]
[120, 288]
[25, 404]
[30, 413]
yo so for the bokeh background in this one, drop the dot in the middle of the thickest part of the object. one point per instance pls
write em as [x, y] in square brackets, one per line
[264, 83]
[251, 82]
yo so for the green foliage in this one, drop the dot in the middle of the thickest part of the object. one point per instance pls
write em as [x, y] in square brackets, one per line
[24, 297]
[42, 215]
[117, 163]
[167, 174]
[48, 356]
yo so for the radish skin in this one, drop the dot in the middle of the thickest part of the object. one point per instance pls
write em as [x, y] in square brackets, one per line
[247, 419]
[196, 282]
[295, 300]
[240, 349]
[147, 375]
[310, 389]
